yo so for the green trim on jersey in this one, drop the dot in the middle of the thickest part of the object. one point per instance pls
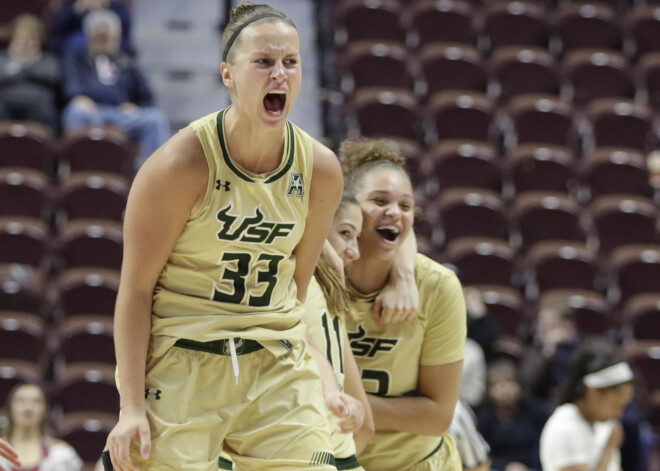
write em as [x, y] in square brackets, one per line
[236, 170]
[347, 463]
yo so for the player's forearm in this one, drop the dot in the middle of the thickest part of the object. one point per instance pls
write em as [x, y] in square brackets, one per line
[404, 261]
[328, 378]
[132, 331]
[418, 415]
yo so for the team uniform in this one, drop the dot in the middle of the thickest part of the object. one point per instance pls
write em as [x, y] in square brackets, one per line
[389, 357]
[569, 440]
[226, 324]
[328, 331]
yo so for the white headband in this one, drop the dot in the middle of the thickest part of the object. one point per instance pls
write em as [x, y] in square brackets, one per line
[610, 376]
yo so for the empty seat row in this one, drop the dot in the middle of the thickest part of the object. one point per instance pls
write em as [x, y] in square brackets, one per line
[582, 76]
[530, 167]
[76, 291]
[629, 271]
[469, 115]
[539, 216]
[98, 149]
[80, 243]
[500, 23]
[28, 192]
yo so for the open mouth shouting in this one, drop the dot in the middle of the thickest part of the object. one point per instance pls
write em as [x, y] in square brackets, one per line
[389, 233]
[274, 103]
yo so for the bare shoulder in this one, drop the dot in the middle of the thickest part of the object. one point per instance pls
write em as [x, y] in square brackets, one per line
[181, 153]
[326, 164]
[178, 166]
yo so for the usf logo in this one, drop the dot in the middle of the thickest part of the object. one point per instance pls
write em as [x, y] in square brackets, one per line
[364, 346]
[250, 228]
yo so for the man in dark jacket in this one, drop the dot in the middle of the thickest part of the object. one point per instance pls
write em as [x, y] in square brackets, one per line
[105, 86]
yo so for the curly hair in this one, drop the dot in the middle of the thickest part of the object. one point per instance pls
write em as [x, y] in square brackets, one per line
[359, 157]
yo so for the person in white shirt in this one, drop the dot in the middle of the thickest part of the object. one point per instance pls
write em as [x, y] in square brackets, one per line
[584, 433]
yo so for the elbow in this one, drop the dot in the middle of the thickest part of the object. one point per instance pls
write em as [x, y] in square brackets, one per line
[441, 423]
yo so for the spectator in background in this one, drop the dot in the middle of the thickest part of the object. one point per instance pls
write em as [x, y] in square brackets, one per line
[29, 78]
[105, 86]
[584, 432]
[28, 433]
[546, 364]
[473, 379]
[510, 422]
[66, 28]
[481, 327]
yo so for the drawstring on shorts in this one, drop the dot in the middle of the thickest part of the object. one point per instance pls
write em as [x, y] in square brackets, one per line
[234, 359]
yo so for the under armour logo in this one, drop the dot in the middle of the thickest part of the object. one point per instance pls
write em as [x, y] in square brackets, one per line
[149, 392]
[222, 186]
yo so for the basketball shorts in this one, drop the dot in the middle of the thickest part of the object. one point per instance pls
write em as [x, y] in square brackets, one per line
[446, 458]
[274, 418]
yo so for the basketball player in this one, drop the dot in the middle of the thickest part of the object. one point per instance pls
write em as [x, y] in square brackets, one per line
[326, 307]
[412, 370]
[223, 228]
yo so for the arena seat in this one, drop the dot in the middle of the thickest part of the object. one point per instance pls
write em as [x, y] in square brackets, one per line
[91, 243]
[92, 195]
[462, 115]
[443, 21]
[614, 171]
[519, 70]
[591, 311]
[88, 291]
[536, 167]
[24, 192]
[22, 336]
[465, 163]
[452, 66]
[26, 144]
[481, 260]
[24, 241]
[586, 25]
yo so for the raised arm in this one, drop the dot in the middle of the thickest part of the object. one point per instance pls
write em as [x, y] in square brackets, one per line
[165, 192]
[325, 194]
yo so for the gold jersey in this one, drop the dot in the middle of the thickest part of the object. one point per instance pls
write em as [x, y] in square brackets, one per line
[230, 273]
[389, 356]
[328, 331]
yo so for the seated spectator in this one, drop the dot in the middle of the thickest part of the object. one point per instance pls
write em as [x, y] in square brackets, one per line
[28, 434]
[29, 78]
[66, 30]
[481, 327]
[546, 363]
[510, 422]
[105, 86]
[585, 431]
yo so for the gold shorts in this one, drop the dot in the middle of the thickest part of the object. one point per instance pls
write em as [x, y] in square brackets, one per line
[274, 418]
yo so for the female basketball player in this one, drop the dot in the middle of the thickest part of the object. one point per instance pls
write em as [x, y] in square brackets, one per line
[412, 369]
[223, 228]
[326, 307]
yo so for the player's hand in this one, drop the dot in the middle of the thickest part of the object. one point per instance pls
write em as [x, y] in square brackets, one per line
[398, 301]
[348, 409]
[8, 452]
[616, 436]
[131, 426]
[355, 416]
